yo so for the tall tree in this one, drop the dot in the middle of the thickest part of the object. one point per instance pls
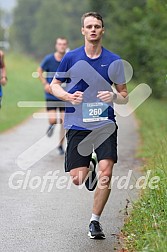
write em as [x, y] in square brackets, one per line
[24, 23]
[37, 23]
[137, 31]
[58, 19]
[1, 26]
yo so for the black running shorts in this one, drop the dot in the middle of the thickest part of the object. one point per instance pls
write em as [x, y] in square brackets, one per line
[81, 143]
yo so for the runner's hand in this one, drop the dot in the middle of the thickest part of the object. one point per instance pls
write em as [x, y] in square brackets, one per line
[105, 96]
[76, 98]
[47, 88]
[3, 80]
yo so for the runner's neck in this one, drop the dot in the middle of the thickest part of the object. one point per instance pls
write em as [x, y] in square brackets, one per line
[93, 50]
[58, 56]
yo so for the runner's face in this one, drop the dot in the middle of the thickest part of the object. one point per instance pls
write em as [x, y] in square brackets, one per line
[92, 30]
[61, 46]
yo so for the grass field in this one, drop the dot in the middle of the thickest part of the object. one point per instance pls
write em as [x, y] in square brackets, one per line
[21, 87]
[146, 228]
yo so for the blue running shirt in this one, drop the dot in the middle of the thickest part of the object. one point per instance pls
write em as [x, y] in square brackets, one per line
[50, 65]
[90, 76]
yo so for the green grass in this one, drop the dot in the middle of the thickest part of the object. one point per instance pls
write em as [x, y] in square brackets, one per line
[146, 228]
[21, 87]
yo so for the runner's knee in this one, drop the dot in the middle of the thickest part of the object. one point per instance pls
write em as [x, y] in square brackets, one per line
[76, 180]
[105, 168]
[78, 176]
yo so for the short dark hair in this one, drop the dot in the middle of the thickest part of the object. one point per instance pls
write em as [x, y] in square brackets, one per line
[62, 38]
[91, 14]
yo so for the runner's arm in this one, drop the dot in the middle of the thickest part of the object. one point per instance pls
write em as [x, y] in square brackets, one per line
[43, 80]
[3, 79]
[122, 94]
[120, 97]
[59, 92]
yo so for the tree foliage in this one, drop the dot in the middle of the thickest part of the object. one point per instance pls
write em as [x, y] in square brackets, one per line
[24, 23]
[134, 29]
[137, 31]
[1, 29]
[37, 23]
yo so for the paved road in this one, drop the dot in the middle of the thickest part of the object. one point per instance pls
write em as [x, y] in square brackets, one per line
[35, 221]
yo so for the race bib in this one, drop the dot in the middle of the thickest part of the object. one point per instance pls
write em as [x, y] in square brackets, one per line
[94, 112]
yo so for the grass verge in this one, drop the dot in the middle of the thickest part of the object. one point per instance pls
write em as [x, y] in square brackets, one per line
[20, 87]
[146, 228]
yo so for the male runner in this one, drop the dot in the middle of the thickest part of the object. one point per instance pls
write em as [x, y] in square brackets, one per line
[3, 77]
[49, 65]
[90, 71]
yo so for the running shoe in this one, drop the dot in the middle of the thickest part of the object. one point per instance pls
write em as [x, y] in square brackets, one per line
[96, 231]
[60, 150]
[50, 130]
[91, 181]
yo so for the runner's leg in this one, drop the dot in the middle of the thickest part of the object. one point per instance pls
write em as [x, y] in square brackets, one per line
[103, 188]
[62, 130]
[79, 175]
[52, 121]
[75, 163]
[52, 116]
[100, 198]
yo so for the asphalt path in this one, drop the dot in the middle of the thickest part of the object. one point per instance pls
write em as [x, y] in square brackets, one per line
[40, 215]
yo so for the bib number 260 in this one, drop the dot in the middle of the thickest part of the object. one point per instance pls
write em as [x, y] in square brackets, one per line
[95, 111]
